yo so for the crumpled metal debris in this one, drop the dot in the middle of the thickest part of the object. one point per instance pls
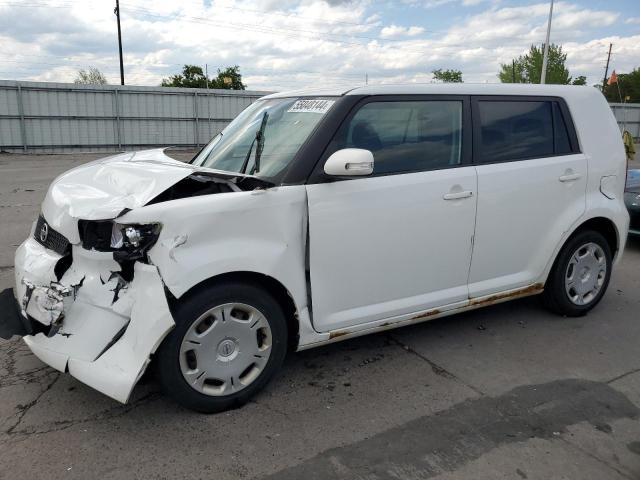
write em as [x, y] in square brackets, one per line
[47, 303]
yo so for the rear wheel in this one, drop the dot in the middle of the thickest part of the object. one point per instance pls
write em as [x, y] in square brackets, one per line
[580, 275]
[229, 341]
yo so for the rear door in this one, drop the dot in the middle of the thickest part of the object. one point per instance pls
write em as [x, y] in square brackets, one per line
[398, 241]
[531, 188]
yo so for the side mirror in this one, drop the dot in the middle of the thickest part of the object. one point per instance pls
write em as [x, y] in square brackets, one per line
[349, 162]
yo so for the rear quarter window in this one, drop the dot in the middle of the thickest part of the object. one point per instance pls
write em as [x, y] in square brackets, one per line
[512, 130]
[560, 132]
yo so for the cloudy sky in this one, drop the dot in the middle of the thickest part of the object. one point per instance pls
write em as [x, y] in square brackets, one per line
[285, 44]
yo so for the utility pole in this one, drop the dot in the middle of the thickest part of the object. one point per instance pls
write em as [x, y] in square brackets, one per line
[117, 12]
[206, 76]
[513, 70]
[606, 69]
[545, 57]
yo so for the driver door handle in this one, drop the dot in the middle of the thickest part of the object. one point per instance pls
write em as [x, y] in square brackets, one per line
[570, 177]
[458, 195]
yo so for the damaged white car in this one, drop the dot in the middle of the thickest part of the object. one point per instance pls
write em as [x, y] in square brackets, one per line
[317, 217]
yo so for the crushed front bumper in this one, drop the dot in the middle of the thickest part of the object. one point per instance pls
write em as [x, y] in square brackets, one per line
[92, 322]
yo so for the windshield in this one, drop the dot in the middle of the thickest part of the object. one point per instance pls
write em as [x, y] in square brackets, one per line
[265, 137]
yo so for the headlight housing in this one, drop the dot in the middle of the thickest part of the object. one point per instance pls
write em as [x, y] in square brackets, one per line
[126, 241]
[131, 242]
[134, 236]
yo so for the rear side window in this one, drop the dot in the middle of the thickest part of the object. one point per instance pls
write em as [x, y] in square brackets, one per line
[560, 132]
[517, 130]
[406, 136]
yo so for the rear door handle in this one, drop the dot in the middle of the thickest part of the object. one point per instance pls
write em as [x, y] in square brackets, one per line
[570, 177]
[458, 195]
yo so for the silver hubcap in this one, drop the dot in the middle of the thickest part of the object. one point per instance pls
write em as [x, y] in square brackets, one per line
[585, 274]
[225, 349]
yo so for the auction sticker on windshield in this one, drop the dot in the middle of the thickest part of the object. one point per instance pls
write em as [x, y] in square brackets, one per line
[311, 106]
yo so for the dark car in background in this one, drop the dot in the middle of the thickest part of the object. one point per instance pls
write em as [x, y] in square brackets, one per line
[632, 200]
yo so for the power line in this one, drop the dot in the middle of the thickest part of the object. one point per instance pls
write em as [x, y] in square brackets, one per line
[289, 15]
[282, 31]
[286, 15]
[436, 48]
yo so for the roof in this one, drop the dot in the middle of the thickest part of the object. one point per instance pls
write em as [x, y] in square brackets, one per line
[312, 92]
[441, 88]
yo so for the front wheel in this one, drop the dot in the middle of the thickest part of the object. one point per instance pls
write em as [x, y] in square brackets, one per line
[580, 275]
[229, 341]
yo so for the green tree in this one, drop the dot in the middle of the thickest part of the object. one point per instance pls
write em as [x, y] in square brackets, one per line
[629, 84]
[192, 76]
[581, 80]
[528, 68]
[513, 72]
[447, 76]
[229, 78]
[93, 76]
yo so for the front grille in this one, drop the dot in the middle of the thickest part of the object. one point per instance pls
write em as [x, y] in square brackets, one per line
[52, 240]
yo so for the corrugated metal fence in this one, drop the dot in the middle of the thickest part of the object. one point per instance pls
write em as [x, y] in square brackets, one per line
[41, 117]
[628, 117]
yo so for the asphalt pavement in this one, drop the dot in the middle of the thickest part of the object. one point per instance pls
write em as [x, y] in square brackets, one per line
[510, 391]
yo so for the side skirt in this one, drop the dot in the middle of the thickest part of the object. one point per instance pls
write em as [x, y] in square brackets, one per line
[417, 317]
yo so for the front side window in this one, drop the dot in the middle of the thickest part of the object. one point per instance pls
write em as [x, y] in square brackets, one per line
[406, 136]
[264, 139]
[518, 130]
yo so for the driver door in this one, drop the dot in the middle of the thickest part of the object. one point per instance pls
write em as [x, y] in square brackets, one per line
[398, 241]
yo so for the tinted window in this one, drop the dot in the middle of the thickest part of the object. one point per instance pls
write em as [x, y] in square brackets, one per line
[514, 130]
[561, 134]
[406, 136]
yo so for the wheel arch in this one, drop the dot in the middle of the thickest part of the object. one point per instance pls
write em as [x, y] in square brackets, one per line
[600, 224]
[605, 226]
[266, 282]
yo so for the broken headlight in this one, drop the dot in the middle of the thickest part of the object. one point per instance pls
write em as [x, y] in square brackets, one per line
[130, 241]
[134, 238]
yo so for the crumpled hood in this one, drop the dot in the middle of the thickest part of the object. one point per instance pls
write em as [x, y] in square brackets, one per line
[102, 189]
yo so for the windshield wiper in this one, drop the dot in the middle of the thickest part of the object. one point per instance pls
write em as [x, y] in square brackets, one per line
[260, 147]
[260, 138]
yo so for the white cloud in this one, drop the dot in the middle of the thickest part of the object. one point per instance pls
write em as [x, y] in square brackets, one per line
[397, 31]
[633, 21]
[428, 3]
[296, 43]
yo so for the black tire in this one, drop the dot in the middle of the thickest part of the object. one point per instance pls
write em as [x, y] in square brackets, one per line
[555, 296]
[190, 308]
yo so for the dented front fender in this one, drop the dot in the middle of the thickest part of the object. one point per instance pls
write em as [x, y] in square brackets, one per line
[260, 231]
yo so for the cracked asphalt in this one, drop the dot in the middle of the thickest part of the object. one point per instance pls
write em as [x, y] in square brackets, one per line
[509, 391]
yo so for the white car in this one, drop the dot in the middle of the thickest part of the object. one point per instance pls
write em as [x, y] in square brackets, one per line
[320, 216]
